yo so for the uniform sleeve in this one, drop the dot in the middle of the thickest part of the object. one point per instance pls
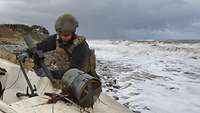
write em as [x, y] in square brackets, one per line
[47, 44]
[80, 56]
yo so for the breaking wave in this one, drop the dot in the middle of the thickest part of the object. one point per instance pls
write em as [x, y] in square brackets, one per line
[150, 76]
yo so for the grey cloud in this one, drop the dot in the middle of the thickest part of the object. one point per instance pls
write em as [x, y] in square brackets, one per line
[112, 18]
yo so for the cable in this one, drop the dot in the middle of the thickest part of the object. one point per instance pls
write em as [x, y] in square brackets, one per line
[14, 81]
[2, 91]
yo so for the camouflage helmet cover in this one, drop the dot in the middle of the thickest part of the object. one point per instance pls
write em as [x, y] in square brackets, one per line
[66, 24]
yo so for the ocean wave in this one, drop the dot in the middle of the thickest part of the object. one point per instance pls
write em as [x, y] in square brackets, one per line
[140, 48]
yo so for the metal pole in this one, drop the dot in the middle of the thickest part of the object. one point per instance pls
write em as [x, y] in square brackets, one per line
[27, 79]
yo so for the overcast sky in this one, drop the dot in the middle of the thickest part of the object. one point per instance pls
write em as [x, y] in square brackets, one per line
[112, 19]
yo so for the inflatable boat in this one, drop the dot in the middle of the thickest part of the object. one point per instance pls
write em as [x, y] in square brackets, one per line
[13, 82]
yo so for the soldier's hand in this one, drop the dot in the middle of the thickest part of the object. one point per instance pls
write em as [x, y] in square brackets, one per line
[58, 84]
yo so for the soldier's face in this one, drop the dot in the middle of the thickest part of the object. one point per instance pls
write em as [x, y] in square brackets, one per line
[65, 37]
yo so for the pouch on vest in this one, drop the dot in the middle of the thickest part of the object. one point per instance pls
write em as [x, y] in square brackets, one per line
[92, 63]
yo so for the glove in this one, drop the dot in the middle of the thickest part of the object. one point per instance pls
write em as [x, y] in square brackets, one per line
[40, 72]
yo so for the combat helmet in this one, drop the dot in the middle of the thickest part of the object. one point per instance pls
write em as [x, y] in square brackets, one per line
[66, 24]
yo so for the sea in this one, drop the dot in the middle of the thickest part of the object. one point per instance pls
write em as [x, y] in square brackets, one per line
[151, 76]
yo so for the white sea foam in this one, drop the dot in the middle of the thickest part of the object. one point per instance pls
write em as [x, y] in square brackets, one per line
[152, 76]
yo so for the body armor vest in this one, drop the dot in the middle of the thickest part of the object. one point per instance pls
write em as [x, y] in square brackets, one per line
[62, 57]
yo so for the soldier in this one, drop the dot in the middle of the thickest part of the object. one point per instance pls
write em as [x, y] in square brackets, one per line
[71, 50]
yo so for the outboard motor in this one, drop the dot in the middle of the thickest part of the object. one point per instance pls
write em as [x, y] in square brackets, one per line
[83, 88]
